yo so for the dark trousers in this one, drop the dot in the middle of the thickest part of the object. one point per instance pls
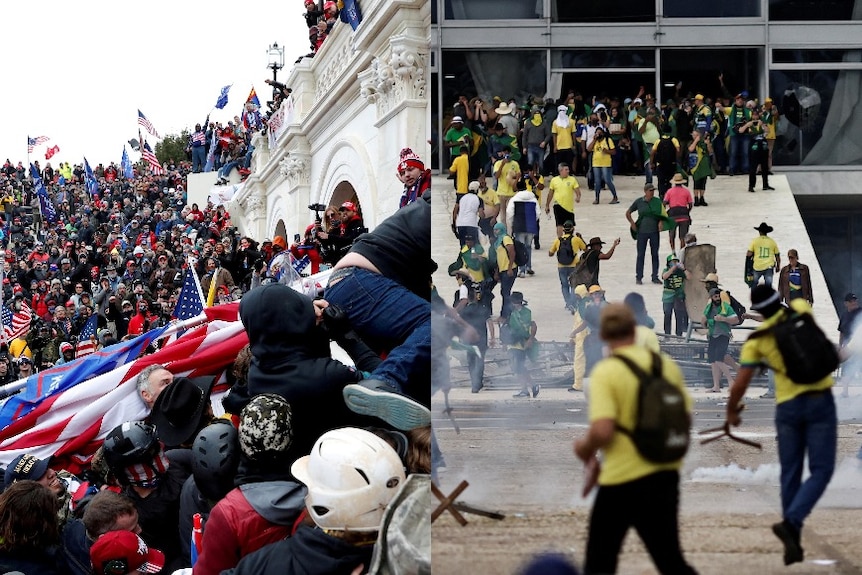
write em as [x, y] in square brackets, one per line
[675, 307]
[645, 238]
[758, 158]
[650, 505]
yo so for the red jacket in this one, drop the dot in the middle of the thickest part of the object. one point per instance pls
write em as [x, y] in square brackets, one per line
[249, 517]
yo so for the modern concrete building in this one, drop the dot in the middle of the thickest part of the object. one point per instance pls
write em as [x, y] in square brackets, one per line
[806, 55]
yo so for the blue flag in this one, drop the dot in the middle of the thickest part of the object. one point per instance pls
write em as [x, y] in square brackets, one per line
[222, 98]
[45, 205]
[351, 14]
[57, 379]
[90, 178]
[128, 173]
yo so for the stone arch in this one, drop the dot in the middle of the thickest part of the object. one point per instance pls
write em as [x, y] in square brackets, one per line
[348, 171]
[280, 230]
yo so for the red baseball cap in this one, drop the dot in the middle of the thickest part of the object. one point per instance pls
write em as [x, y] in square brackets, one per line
[128, 550]
[348, 206]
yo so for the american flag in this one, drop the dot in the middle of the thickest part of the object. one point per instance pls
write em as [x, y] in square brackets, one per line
[33, 142]
[86, 345]
[16, 324]
[151, 159]
[148, 126]
[71, 424]
[190, 302]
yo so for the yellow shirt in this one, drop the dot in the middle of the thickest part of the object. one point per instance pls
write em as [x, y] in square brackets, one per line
[765, 350]
[503, 254]
[461, 168]
[614, 395]
[565, 191]
[578, 246]
[600, 158]
[764, 249]
[489, 198]
[503, 186]
[563, 136]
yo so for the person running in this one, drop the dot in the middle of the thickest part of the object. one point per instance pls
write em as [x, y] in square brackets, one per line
[805, 420]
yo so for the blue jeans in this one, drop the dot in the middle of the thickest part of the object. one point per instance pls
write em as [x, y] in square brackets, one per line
[224, 171]
[647, 167]
[605, 175]
[806, 425]
[526, 238]
[199, 158]
[643, 238]
[739, 145]
[568, 297]
[387, 315]
[765, 274]
[535, 155]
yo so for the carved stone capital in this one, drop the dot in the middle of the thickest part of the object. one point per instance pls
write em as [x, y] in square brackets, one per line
[295, 168]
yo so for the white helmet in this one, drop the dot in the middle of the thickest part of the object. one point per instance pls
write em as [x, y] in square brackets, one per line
[351, 476]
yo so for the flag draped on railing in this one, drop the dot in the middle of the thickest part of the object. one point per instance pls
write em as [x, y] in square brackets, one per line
[70, 422]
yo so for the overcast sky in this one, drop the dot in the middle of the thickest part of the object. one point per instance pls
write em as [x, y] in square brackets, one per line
[78, 72]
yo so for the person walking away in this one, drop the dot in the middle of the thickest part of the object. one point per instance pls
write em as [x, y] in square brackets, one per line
[502, 255]
[650, 223]
[577, 337]
[673, 295]
[475, 309]
[633, 491]
[466, 214]
[766, 259]
[805, 420]
[679, 203]
[459, 171]
[719, 317]
[521, 217]
[523, 344]
[794, 280]
[758, 153]
[490, 206]
[588, 265]
[700, 165]
[567, 247]
[592, 320]
[603, 150]
[663, 157]
[508, 173]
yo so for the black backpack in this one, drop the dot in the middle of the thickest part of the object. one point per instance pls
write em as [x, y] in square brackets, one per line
[665, 152]
[520, 252]
[662, 426]
[566, 253]
[738, 308]
[807, 353]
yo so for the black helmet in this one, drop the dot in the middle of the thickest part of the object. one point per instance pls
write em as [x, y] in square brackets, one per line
[215, 458]
[130, 443]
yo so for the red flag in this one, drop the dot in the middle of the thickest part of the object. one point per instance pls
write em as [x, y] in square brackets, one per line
[49, 153]
[71, 425]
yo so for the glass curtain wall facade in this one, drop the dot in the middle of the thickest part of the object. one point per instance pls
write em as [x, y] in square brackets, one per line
[806, 55]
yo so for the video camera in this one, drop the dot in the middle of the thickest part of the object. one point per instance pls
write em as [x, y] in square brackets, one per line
[317, 208]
